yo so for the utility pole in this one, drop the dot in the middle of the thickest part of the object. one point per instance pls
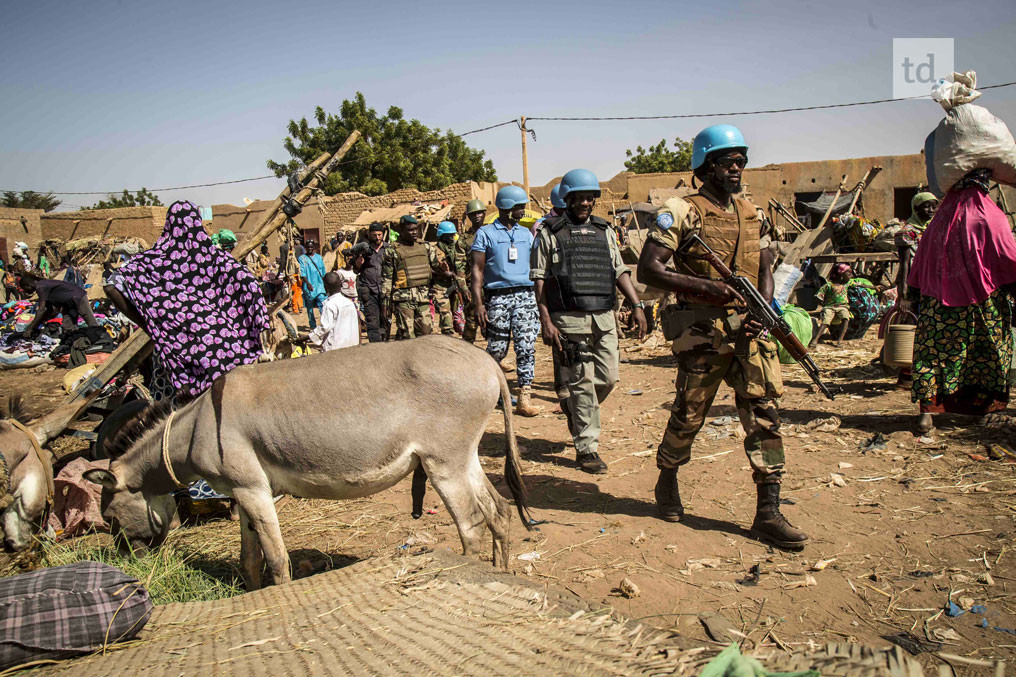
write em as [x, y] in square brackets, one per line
[525, 156]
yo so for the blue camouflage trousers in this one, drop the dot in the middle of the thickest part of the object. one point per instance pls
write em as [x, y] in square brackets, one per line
[514, 317]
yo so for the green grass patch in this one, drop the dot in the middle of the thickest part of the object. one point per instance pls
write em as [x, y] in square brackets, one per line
[169, 573]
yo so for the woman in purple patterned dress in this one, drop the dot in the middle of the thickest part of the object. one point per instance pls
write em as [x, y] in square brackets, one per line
[203, 310]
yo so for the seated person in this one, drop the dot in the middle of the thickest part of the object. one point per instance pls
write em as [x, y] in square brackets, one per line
[57, 296]
[835, 305]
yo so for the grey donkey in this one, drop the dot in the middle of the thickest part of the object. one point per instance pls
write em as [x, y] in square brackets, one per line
[30, 489]
[342, 424]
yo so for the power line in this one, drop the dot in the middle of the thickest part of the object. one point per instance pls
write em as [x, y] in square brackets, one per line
[753, 112]
[151, 190]
[515, 121]
[162, 190]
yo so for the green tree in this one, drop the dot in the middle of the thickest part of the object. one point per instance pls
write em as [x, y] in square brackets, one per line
[140, 198]
[394, 152]
[659, 158]
[29, 199]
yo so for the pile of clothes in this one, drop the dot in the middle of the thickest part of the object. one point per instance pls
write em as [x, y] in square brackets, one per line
[855, 233]
[52, 344]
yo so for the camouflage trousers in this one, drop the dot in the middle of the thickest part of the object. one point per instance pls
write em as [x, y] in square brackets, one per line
[472, 322]
[445, 301]
[711, 351]
[513, 317]
[413, 318]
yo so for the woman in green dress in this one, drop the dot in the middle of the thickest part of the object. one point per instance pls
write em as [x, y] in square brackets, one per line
[965, 273]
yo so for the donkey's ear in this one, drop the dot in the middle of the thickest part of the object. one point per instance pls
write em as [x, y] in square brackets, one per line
[104, 477]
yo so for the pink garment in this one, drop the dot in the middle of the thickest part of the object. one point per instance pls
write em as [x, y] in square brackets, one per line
[76, 507]
[967, 252]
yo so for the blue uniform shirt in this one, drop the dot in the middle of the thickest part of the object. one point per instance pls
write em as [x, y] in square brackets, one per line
[495, 241]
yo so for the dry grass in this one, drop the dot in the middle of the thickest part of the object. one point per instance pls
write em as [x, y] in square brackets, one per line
[172, 573]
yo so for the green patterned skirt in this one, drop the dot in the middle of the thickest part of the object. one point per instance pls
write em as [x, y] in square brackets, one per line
[962, 356]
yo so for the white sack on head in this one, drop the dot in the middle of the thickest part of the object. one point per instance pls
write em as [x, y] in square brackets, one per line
[969, 137]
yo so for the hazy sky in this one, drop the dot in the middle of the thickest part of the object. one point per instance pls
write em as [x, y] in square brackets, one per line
[108, 95]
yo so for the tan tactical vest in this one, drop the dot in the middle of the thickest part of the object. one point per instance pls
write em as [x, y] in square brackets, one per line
[414, 270]
[734, 237]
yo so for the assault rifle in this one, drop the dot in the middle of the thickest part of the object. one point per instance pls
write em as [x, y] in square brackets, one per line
[761, 311]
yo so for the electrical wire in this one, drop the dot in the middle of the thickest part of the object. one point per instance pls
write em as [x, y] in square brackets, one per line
[753, 112]
[515, 121]
[150, 190]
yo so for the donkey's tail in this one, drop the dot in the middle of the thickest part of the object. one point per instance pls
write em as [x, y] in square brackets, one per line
[512, 462]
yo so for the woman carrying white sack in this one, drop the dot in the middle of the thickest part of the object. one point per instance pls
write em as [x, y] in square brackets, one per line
[965, 269]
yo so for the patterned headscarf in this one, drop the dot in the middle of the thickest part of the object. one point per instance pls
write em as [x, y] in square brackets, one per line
[202, 308]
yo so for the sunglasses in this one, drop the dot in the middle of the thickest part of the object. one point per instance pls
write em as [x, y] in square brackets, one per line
[728, 162]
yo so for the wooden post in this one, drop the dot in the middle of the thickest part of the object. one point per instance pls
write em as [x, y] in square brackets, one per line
[525, 157]
[789, 216]
[274, 218]
[825, 217]
[272, 221]
[872, 173]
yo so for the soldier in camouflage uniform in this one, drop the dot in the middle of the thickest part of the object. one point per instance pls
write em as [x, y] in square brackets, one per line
[447, 292]
[713, 340]
[407, 269]
[476, 212]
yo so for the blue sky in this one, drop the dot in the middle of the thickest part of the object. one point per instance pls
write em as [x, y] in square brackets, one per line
[108, 95]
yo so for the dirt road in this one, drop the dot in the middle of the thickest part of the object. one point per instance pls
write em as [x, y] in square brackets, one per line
[909, 522]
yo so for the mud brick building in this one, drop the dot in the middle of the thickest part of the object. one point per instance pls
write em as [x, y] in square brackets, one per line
[19, 225]
[140, 222]
[887, 197]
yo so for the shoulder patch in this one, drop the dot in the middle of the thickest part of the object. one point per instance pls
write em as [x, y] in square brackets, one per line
[664, 220]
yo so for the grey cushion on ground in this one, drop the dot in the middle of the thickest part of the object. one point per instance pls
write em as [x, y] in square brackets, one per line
[68, 610]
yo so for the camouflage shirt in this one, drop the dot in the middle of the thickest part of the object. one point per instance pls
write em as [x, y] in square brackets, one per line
[464, 244]
[391, 262]
[457, 262]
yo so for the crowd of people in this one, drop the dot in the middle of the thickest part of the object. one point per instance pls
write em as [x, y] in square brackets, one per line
[561, 279]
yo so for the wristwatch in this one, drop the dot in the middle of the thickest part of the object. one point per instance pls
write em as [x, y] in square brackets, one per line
[640, 304]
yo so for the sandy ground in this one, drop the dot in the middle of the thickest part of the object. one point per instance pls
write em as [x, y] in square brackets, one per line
[899, 532]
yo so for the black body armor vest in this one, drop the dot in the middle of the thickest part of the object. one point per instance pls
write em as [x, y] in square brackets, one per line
[582, 272]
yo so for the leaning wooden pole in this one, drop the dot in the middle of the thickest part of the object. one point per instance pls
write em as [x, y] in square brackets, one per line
[872, 173]
[312, 178]
[130, 351]
[832, 205]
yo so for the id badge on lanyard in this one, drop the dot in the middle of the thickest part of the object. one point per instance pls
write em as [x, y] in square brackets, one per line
[513, 251]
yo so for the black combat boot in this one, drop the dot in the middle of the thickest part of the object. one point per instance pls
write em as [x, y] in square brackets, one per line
[668, 498]
[770, 525]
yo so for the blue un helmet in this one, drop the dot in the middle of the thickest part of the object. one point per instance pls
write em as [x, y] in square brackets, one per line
[579, 180]
[445, 228]
[716, 137]
[555, 197]
[510, 196]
